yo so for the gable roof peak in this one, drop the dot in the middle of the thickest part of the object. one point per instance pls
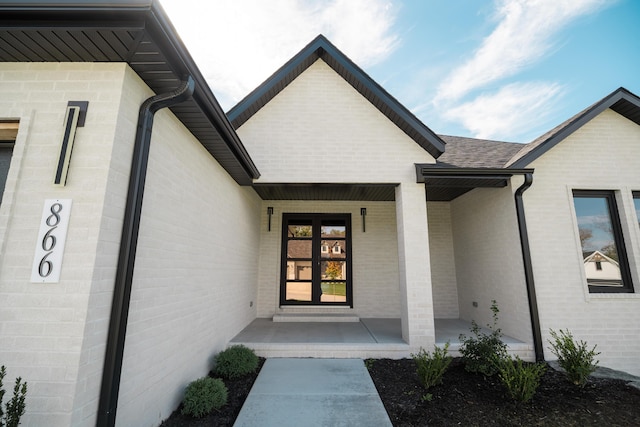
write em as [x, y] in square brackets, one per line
[321, 48]
[621, 100]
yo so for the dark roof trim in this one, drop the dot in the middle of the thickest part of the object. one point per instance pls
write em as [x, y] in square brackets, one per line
[621, 101]
[425, 171]
[321, 48]
[445, 184]
[152, 48]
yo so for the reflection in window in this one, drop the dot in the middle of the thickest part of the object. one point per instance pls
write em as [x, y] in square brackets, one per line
[602, 244]
[298, 291]
[302, 230]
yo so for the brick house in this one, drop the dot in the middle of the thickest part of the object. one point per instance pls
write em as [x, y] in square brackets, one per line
[318, 180]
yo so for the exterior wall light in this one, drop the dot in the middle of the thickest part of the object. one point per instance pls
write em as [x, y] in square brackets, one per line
[269, 212]
[363, 213]
[74, 118]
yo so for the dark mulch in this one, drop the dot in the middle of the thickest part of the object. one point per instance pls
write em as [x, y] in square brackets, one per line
[468, 400]
[472, 400]
[238, 390]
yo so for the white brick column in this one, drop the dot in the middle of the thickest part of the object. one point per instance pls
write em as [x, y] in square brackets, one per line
[415, 270]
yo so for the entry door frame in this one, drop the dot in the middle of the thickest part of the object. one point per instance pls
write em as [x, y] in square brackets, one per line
[316, 258]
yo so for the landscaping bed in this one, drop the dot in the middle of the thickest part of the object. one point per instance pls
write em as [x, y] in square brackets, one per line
[238, 390]
[467, 399]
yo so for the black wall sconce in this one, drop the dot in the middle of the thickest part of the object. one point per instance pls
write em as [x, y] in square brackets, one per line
[74, 118]
[269, 212]
[363, 213]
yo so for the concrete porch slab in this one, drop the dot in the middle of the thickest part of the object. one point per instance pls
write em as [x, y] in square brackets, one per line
[368, 338]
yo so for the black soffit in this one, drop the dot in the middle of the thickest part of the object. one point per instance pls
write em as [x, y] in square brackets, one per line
[137, 32]
[351, 192]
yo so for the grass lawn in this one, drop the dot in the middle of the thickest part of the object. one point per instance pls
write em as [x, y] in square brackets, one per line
[334, 288]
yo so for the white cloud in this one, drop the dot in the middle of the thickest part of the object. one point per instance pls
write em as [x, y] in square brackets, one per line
[524, 34]
[507, 112]
[237, 44]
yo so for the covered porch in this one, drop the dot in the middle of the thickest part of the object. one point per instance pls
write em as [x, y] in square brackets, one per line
[364, 338]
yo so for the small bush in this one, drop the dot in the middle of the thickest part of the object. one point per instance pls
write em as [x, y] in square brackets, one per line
[521, 379]
[236, 361]
[578, 362]
[203, 396]
[14, 408]
[431, 368]
[483, 352]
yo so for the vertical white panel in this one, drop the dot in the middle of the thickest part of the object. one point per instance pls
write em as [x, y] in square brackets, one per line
[47, 261]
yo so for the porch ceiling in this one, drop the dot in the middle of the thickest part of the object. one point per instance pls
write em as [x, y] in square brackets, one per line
[354, 192]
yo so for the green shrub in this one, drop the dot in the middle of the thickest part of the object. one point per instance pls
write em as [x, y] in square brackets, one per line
[235, 362]
[483, 352]
[203, 396]
[521, 379]
[431, 368]
[578, 362]
[14, 408]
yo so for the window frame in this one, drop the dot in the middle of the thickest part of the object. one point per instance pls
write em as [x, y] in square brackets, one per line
[636, 210]
[618, 239]
[316, 219]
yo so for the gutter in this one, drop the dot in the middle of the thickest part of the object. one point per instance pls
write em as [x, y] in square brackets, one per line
[528, 268]
[127, 255]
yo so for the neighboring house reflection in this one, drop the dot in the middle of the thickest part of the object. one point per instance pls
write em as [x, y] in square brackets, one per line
[602, 270]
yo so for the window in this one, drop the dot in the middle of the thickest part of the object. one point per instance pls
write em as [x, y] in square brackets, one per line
[311, 275]
[603, 250]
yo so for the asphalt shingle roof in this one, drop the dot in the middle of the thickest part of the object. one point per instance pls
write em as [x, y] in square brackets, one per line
[464, 152]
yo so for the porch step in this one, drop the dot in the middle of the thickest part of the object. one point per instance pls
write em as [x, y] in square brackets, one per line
[315, 317]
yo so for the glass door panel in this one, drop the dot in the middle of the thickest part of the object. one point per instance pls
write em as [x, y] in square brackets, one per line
[316, 259]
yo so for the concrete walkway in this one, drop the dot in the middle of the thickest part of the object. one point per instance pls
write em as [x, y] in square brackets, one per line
[313, 392]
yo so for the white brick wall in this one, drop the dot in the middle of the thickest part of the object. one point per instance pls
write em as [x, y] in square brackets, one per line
[488, 259]
[602, 155]
[443, 269]
[416, 294]
[197, 261]
[195, 276]
[320, 129]
[47, 332]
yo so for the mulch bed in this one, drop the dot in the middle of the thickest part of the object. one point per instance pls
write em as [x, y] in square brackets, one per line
[467, 399]
[472, 400]
[238, 390]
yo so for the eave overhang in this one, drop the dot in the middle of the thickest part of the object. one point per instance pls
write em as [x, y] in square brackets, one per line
[321, 48]
[445, 184]
[137, 32]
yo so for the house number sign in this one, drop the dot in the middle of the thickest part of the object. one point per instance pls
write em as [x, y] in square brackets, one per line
[51, 239]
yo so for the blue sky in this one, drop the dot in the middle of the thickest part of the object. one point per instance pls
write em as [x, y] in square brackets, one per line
[497, 69]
